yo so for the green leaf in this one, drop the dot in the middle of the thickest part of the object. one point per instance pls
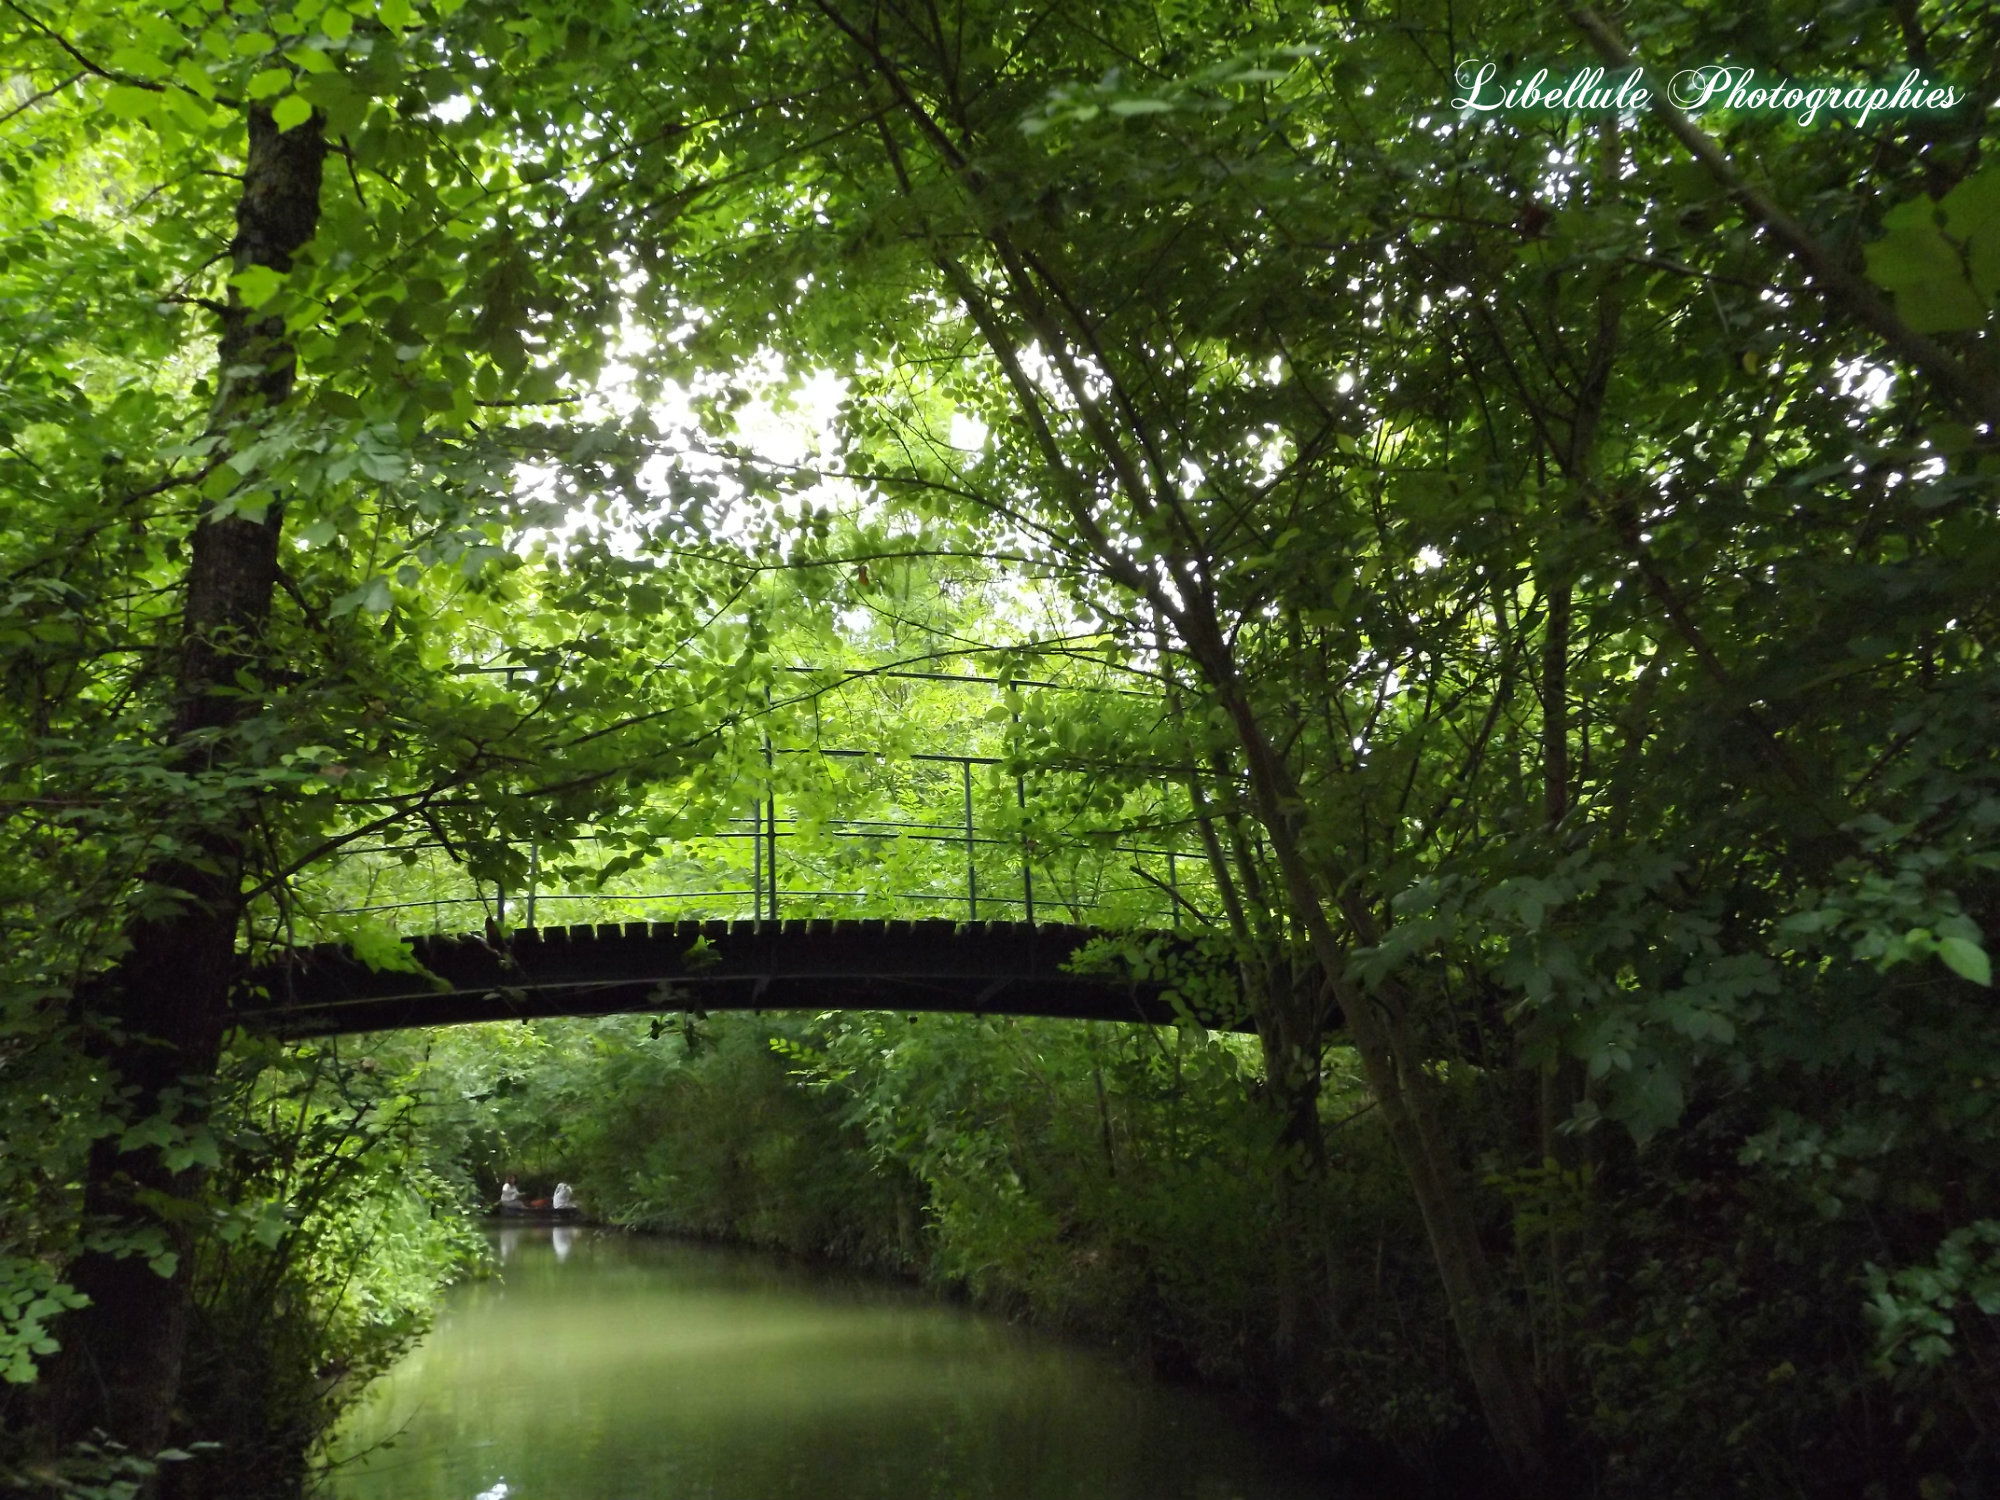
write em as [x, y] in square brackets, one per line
[198, 1149]
[1651, 1101]
[267, 82]
[257, 285]
[271, 1224]
[385, 468]
[371, 598]
[339, 98]
[1924, 270]
[138, 62]
[187, 107]
[193, 76]
[1972, 217]
[290, 112]
[1966, 959]
[127, 102]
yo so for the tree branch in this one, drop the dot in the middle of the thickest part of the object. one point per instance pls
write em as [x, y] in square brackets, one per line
[1841, 290]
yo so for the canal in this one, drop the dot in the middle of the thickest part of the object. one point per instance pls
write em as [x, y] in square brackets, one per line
[600, 1366]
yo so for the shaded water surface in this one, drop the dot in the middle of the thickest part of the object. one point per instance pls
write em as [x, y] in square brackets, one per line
[603, 1367]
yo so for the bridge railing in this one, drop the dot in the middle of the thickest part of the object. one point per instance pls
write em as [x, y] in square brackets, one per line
[774, 864]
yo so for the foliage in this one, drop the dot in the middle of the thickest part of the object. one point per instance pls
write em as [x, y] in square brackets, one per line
[104, 1471]
[687, 1126]
[329, 1235]
[1096, 1179]
[1520, 583]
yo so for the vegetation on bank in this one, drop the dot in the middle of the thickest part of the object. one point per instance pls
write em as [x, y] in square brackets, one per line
[1120, 1182]
[1518, 584]
[333, 1215]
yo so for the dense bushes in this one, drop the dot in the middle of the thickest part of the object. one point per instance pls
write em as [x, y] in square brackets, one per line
[340, 1231]
[693, 1127]
[330, 1232]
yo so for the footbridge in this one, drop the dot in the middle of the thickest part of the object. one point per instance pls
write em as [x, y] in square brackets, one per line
[979, 968]
[812, 877]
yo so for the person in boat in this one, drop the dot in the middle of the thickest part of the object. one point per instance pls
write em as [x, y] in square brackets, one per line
[564, 1201]
[510, 1196]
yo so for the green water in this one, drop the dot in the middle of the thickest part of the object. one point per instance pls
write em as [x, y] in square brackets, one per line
[603, 1367]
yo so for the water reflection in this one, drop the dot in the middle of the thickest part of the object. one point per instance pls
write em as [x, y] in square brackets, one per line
[601, 1366]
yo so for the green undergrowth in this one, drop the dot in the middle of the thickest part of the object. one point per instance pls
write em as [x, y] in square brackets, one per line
[1723, 1319]
[319, 1243]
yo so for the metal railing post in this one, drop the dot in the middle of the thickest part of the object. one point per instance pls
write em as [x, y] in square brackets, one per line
[971, 870]
[1027, 851]
[771, 860]
[757, 862]
[771, 819]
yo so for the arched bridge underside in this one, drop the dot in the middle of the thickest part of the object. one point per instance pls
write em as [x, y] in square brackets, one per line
[980, 968]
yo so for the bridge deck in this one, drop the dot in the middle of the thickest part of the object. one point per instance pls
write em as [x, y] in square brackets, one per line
[982, 968]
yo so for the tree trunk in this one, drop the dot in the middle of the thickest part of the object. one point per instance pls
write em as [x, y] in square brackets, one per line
[1292, 1084]
[1501, 1369]
[161, 1011]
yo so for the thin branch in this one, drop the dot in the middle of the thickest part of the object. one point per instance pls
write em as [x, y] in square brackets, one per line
[1199, 915]
[83, 62]
[48, 93]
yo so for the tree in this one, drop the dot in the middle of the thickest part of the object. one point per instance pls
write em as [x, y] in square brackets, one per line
[241, 593]
[1373, 448]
